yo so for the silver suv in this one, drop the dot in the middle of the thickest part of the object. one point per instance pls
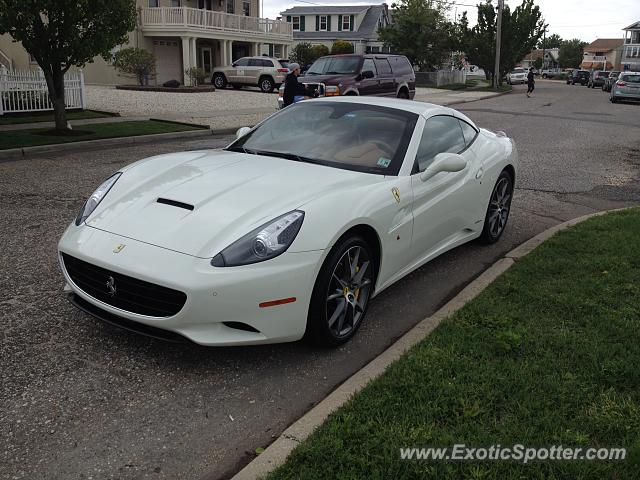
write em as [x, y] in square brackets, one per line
[264, 72]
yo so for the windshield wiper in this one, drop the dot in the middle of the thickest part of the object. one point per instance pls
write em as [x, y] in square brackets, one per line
[239, 148]
[288, 156]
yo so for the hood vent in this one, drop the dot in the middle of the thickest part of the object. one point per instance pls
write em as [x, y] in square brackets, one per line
[175, 203]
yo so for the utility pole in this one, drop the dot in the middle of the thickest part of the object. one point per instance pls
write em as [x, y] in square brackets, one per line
[496, 70]
[544, 39]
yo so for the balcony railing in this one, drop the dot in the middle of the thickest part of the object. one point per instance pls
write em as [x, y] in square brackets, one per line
[209, 20]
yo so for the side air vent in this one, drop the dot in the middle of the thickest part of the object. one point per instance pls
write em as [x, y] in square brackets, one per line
[240, 326]
[175, 203]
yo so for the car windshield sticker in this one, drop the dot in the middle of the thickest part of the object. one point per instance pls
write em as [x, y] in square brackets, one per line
[384, 162]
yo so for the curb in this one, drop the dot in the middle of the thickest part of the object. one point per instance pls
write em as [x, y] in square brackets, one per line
[497, 94]
[20, 153]
[276, 453]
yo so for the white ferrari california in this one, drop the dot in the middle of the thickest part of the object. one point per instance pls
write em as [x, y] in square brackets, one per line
[293, 228]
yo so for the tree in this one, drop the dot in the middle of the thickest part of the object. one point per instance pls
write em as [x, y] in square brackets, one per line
[521, 31]
[305, 54]
[421, 31]
[552, 41]
[571, 53]
[61, 34]
[137, 62]
[537, 63]
[341, 47]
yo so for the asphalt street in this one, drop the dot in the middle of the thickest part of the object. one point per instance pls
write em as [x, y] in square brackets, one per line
[79, 399]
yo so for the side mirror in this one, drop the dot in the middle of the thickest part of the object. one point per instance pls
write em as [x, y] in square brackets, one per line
[242, 131]
[234, 64]
[444, 162]
[367, 74]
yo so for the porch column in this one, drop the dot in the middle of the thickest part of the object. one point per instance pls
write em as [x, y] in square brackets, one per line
[256, 49]
[230, 52]
[186, 59]
[194, 58]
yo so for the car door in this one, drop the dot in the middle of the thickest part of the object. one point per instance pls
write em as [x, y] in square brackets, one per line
[236, 71]
[369, 86]
[444, 207]
[387, 86]
[252, 71]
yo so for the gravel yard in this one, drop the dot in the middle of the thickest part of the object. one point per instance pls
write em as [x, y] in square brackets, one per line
[223, 108]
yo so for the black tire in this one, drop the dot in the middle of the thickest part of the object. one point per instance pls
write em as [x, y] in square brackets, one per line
[613, 99]
[266, 84]
[497, 206]
[219, 80]
[237, 86]
[403, 94]
[544, 75]
[333, 321]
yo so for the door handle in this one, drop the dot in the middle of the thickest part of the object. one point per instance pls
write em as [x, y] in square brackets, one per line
[479, 173]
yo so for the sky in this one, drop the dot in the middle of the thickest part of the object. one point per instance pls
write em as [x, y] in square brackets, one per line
[583, 19]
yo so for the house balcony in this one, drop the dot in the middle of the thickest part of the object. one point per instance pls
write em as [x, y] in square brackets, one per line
[213, 24]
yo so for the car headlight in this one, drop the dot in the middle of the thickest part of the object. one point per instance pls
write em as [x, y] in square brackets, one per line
[96, 197]
[263, 243]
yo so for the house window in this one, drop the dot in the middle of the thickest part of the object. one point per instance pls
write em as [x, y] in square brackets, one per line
[175, 3]
[375, 49]
[246, 8]
[231, 8]
[346, 22]
[296, 23]
[153, 3]
[323, 23]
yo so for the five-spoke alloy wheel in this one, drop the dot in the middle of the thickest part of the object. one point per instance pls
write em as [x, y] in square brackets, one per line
[498, 210]
[342, 292]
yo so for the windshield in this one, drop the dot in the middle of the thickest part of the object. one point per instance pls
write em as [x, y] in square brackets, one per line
[631, 78]
[518, 70]
[352, 136]
[335, 66]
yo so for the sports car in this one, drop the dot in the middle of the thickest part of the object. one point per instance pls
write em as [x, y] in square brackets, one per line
[291, 230]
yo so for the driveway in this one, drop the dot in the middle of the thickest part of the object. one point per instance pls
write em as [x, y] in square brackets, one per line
[79, 399]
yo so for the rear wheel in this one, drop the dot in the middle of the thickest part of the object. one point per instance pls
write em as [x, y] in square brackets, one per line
[266, 84]
[341, 293]
[219, 80]
[403, 94]
[497, 215]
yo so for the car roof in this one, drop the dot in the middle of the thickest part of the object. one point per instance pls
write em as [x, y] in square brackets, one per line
[419, 108]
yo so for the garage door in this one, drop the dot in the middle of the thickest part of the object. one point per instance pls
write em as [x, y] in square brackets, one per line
[168, 61]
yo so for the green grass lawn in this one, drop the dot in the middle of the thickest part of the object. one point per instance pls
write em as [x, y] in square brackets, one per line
[549, 354]
[460, 86]
[12, 119]
[30, 138]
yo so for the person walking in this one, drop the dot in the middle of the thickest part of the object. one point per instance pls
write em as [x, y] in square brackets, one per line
[294, 91]
[531, 82]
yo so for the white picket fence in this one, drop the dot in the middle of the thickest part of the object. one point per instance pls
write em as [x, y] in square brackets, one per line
[26, 91]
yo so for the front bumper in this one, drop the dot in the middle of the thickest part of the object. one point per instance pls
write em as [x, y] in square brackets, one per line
[222, 306]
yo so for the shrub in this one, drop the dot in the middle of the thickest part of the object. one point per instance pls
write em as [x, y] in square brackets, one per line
[341, 46]
[137, 62]
[196, 75]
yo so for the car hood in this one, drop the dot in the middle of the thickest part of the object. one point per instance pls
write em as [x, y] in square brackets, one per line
[213, 198]
[328, 79]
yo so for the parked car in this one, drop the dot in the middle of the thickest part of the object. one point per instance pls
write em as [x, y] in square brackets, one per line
[610, 80]
[597, 78]
[551, 72]
[578, 76]
[291, 229]
[627, 87]
[264, 72]
[517, 75]
[369, 74]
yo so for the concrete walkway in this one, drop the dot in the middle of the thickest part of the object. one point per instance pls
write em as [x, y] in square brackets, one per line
[74, 123]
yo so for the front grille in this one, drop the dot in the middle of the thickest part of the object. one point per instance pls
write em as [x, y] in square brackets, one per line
[123, 292]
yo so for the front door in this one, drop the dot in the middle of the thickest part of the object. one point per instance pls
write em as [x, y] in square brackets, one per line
[440, 214]
[206, 60]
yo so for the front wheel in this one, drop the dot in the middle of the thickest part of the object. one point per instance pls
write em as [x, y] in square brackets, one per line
[497, 215]
[219, 80]
[341, 293]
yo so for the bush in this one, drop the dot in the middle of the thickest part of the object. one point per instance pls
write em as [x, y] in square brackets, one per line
[171, 84]
[137, 62]
[341, 46]
[319, 51]
[196, 75]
